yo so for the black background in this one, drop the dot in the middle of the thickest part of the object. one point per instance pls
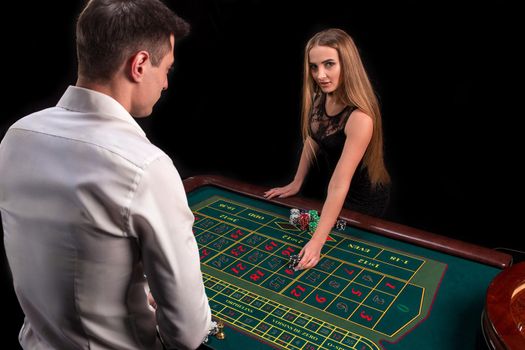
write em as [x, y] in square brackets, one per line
[448, 77]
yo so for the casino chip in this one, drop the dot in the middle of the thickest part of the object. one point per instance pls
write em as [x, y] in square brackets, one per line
[340, 225]
[294, 260]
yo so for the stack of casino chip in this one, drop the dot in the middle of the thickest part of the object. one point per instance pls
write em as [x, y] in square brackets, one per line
[308, 220]
[294, 260]
[314, 220]
[304, 220]
[294, 216]
[340, 224]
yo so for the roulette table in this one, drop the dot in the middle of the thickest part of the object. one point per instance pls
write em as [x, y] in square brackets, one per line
[378, 285]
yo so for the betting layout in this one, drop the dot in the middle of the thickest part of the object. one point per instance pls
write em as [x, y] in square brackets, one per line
[358, 295]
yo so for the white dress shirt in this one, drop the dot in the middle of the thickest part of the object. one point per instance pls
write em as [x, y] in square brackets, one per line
[89, 206]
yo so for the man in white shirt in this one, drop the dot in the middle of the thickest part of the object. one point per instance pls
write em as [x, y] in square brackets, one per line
[90, 207]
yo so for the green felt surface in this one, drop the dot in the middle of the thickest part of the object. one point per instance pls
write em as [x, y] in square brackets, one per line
[367, 292]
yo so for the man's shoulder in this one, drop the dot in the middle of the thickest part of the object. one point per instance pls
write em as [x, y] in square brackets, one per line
[116, 138]
[28, 121]
[129, 145]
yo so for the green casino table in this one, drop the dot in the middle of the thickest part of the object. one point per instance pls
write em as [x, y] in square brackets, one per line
[378, 285]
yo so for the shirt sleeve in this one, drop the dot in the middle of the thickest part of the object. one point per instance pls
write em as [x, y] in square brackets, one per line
[162, 221]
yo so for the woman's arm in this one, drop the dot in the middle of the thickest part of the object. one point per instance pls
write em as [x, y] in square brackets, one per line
[358, 130]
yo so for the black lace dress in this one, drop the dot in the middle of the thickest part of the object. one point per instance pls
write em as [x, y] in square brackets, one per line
[328, 133]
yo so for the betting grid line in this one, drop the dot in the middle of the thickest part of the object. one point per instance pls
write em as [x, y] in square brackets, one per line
[361, 303]
[270, 337]
[251, 231]
[211, 227]
[245, 238]
[354, 336]
[330, 248]
[392, 303]
[382, 312]
[397, 296]
[296, 278]
[299, 314]
[293, 281]
[407, 281]
[338, 295]
[257, 264]
[275, 338]
[381, 250]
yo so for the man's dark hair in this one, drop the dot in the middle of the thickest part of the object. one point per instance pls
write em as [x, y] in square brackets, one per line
[109, 31]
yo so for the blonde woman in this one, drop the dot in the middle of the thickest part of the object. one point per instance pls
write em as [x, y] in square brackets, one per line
[341, 127]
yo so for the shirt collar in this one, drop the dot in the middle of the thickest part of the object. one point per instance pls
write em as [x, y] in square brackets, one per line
[90, 101]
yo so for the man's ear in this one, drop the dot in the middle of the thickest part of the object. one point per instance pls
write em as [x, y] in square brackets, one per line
[138, 65]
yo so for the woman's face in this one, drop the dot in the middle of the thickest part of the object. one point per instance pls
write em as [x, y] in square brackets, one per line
[325, 67]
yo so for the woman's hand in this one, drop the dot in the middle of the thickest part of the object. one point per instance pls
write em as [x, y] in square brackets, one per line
[310, 255]
[282, 192]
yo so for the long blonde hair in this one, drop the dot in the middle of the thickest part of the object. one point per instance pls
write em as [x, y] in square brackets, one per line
[355, 89]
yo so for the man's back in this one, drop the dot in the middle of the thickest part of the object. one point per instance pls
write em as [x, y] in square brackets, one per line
[67, 210]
